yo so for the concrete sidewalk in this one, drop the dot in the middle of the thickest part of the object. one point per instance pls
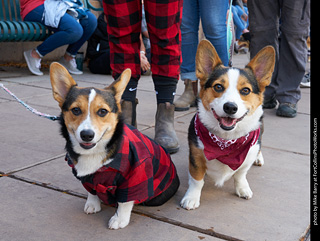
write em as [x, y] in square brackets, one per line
[40, 199]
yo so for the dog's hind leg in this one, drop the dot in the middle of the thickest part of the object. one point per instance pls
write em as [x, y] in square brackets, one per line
[259, 161]
[166, 195]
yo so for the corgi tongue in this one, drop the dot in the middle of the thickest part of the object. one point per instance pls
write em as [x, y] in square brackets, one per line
[227, 121]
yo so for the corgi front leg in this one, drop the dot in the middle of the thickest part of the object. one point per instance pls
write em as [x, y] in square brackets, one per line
[191, 199]
[241, 184]
[197, 170]
[240, 177]
[243, 189]
[93, 204]
[122, 216]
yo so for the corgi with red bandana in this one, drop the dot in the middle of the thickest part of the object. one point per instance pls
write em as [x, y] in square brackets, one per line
[223, 135]
[114, 162]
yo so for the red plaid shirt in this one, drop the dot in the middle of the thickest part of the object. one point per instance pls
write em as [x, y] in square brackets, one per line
[140, 171]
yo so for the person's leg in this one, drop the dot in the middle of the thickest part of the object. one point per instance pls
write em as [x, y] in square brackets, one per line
[264, 30]
[165, 37]
[69, 31]
[237, 21]
[124, 27]
[213, 17]
[88, 25]
[189, 43]
[295, 16]
[189, 38]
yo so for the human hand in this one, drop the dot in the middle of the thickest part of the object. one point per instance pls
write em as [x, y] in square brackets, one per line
[145, 65]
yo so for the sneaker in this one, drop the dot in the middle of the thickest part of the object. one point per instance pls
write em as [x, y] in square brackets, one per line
[306, 81]
[34, 64]
[287, 110]
[71, 66]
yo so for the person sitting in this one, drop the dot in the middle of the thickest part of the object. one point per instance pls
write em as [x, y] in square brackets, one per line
[71, 23]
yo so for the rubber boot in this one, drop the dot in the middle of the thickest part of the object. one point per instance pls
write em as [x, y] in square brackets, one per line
[165, 134]
[188, 97]
[129, 113]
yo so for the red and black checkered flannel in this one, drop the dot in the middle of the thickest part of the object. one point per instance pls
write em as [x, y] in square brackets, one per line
[163, 19]
[140, 171]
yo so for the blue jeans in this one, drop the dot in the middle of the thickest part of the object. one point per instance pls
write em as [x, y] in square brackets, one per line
[213, 16]
[238, 21]
[69, 31]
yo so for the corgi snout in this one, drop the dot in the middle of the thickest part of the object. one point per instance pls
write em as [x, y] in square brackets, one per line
[230, 108]
[87, 135]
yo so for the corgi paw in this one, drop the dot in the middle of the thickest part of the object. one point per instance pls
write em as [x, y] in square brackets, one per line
[190, 203]
[117, 222]
[244, 192]
[260, 160]
[92, 206]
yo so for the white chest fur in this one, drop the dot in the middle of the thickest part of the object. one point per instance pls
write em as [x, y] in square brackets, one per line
[220, 172]
[88, 164]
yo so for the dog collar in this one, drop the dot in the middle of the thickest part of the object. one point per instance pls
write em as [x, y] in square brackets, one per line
[229, 152]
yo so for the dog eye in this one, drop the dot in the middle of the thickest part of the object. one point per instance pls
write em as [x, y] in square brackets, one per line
[76, 111]
[102, 112]
[245, 91]
[218, 88]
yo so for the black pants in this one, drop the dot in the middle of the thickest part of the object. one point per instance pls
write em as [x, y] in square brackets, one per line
[101, 64]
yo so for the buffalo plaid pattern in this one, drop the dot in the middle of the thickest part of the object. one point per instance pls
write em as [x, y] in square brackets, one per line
[124, 26]
[140, 171]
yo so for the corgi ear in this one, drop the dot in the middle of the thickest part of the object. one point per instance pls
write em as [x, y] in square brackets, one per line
[207, 59]
[262, 65]
[61, 82]
[119, 85]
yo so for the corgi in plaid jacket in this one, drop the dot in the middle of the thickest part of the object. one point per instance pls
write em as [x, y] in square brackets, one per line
[141, 170]
[115, 162]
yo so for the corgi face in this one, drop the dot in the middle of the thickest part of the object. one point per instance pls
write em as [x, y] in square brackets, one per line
[231, 98]
[90, 114]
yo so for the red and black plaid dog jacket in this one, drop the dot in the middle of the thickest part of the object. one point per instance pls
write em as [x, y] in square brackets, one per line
[139, 172]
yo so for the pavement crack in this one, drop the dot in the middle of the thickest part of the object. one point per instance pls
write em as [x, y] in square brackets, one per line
[35, 164]
[209, 232]
[46, 185]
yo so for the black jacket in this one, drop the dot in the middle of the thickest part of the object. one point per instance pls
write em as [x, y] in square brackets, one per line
[98, 42]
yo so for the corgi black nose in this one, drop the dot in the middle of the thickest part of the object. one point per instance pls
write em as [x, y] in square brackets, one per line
[230, 108]
[87, 135]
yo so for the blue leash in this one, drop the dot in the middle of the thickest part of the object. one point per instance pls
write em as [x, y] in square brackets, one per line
[28, 107]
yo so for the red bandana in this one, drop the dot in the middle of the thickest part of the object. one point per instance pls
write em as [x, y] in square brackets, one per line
[229, 152]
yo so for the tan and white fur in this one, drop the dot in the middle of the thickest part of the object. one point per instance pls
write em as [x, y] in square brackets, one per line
[90, 122]
[223, 88]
